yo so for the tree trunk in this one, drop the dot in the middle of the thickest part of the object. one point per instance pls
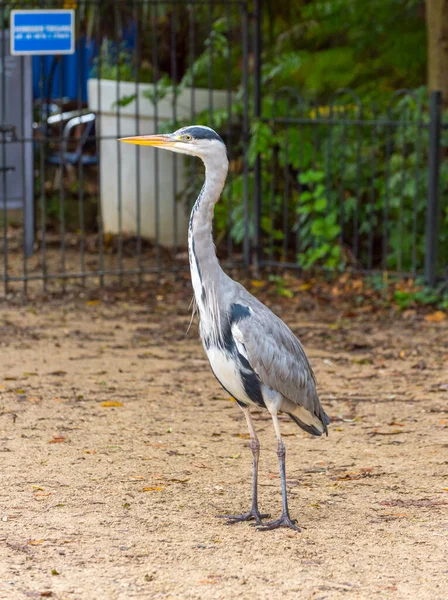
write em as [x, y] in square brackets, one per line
[437, 30]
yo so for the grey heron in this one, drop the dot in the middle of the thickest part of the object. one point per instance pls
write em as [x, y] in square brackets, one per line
[253, 354]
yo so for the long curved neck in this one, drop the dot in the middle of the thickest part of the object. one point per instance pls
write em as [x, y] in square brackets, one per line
[202, 251]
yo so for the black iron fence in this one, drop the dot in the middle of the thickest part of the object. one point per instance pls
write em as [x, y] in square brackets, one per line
[348, 185]
[338, 185]
[75, 204]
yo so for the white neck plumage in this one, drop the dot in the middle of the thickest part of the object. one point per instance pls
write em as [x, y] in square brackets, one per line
[204, 265]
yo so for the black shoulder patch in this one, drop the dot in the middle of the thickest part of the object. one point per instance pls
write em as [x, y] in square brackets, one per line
[238, 312]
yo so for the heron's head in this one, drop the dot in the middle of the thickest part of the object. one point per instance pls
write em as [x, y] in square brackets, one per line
[196, 140]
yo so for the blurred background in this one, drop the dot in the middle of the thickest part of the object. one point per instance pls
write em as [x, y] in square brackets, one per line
[334, 114]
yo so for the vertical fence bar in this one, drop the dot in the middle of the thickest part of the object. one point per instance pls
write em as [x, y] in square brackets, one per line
[342, 162]
[358, 180]
[191, 61]
[43, 209]
[372, 194]
[418, 142]
[138, 200]
[61, 182]
[272, 202]
[81, 207]
[98, 146]
[257, 115]
[174, 113]
[210, 61]
[229, 139]
[3, 142]
[285, 207]
[432, 210]
[299, 216]
[244, 39]
[118, 147]
[24, 178]
[385, 244]
[155, 62]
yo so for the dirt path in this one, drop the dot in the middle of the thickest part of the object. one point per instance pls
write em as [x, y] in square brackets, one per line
[118, 501]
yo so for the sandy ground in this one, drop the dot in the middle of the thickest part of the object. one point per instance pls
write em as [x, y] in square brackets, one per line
[119, 500]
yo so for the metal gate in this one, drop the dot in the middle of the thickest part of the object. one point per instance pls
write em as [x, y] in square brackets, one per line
[99, 211]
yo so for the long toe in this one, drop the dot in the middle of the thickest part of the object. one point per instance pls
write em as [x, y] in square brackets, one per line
[284, 521]
[255, 515]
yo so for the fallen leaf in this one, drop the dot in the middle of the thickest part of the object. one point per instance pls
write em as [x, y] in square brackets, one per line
[257, 283]
[111, 403]
[57, 439]
[237, 455]
[244, 436]
[208, 581]
[436, 317]
[54, 572]
[35, 542]
[92, 302]
[159, 488]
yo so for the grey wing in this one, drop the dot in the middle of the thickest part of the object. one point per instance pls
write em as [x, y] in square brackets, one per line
[278, 358]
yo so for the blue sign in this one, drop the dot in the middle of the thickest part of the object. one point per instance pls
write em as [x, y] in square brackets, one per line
[42, 31]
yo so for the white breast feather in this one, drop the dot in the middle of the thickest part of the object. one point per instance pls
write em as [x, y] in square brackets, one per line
[226, 371]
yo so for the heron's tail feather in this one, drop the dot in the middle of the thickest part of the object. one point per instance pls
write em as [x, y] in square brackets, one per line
[317, 428]
[312, 429]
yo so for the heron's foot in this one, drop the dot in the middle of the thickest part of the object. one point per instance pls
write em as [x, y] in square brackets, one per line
[252, 514]
[284, 521]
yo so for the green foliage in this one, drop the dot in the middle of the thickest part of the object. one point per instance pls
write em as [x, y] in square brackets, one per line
[319, 229]
[368, 46]
[352, 181]
[280, 286]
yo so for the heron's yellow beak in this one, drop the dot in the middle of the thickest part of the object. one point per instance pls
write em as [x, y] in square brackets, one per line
[159, 141]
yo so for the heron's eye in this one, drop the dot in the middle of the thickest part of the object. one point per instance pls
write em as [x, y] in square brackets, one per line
[187, 137]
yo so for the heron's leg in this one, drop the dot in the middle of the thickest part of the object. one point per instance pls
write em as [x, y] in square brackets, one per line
[255, 448]
[285, 520]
